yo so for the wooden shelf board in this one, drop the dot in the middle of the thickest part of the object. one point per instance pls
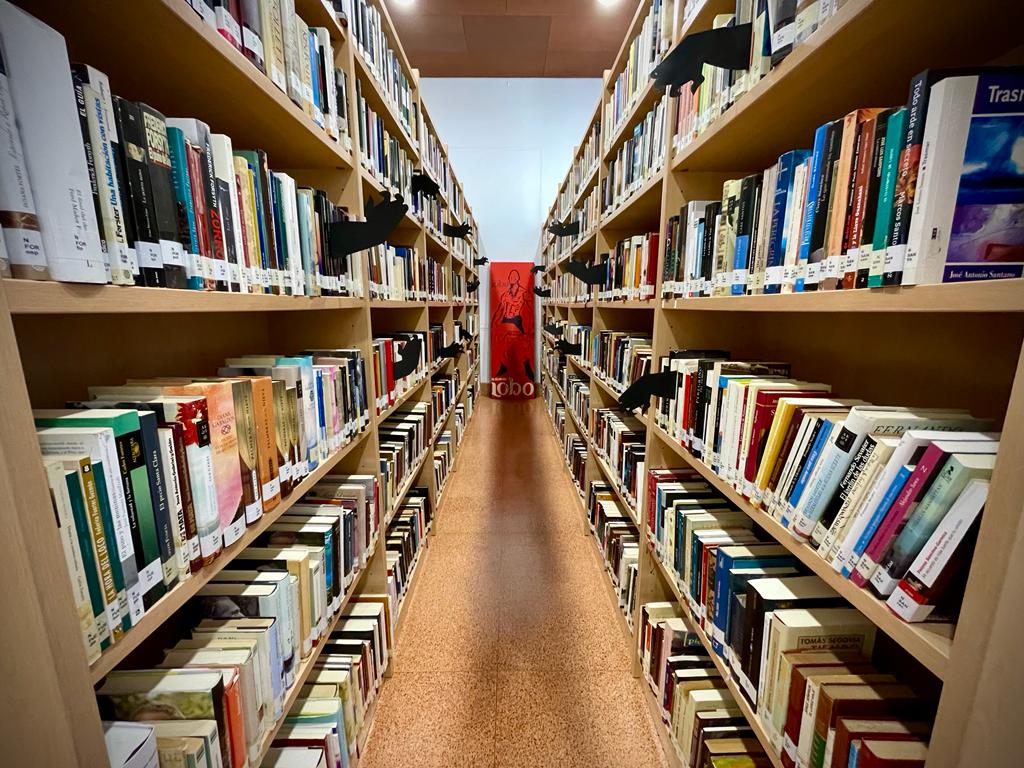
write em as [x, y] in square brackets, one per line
[28, 297]
[614, 483]
[316, 14]
[185, 67]
[397, 303]
[929, 643]
[177, 597]
[587, 245]
[625, 304]
[776, 115]
[381, 104]
[981, 296]
[702, 18]
[641, 209]
[409, 220]
[307, 666]
[405, 396]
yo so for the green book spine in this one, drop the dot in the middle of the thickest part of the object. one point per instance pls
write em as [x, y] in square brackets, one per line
[895, 138]
[107, 525]
[85, 547]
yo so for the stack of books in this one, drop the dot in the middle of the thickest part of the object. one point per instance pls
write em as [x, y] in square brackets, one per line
[388, 350]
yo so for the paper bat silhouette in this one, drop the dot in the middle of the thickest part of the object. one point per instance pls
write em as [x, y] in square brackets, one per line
[554, 330]
[480, 262]
[558, 229]
[409, 357]
[472, 285]
[452, 350]
[421, 182]
[639, 393]
[544, 293]
[726, 47]
[466, 335]
[595, 275]
[460, 231]
[353, 236]
[536, 268]
[566, 348]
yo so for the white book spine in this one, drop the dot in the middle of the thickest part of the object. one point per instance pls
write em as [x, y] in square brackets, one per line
[21, 236]
[44, 101]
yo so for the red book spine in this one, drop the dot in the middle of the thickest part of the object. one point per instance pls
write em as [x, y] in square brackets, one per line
[652, 260]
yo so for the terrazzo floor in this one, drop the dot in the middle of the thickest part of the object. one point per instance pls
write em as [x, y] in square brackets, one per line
[510, 653]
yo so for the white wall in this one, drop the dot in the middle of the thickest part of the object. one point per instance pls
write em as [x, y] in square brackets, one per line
[510, 142]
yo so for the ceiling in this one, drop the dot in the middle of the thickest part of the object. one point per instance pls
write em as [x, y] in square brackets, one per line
[511, 38]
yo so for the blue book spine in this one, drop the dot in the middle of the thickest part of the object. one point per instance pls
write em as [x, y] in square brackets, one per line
[723, 564]
[314, 69]
[877, 516]
[817, 158]
[820, 441]
[780, 218]
[321, 411]
[183, 194]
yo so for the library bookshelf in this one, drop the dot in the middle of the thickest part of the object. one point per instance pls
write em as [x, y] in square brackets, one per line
[954, 345]
[57, 338]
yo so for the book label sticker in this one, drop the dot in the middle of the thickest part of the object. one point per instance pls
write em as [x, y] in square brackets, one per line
[235, 273]
[193, 549]
[194, 266]
[271, 488]
[219, 269]
[833, 267]
[252, 43]
[894, 258]
[253, 512]
[150, 576]
[135, 605]
[149, 255]
[234, 531]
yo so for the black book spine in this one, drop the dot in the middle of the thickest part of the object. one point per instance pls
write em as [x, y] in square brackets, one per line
[266, 191]
[137, 192]
[119, 150]
[871, 196]
[161, 182]
[90, 155]
[158, 490]
[214, 220]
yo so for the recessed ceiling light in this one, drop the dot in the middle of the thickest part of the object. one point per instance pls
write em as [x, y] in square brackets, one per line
[403, 3]
[607, 3]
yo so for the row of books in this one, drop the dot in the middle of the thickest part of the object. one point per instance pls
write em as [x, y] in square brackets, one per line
[651, 43]
[225, 685]
[632, 269]
[434, 158]
[621, 357]
[382, 154]
[889, 496]
[576, 389]
[776, 29]
[403, 437]
[640, 158]
[405, 537]
[588, 213]
[368, 31]
[444, 457]
[618, 541]
[566, 287]
[862, 209]
[619, 440]
[430, 212]
[151, 479]
[835, 708]
[444, 388]
[387, 350]
[297, 58]
[172, 203]
[586, 162]
[575, 448]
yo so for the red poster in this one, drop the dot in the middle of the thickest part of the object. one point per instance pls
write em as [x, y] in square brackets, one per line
[512, 363]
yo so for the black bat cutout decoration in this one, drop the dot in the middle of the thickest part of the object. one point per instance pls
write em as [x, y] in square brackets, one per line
[536, 268]
[544, 293]
[352, 236]
[425, 185]
[639, 393]
[466, 335]
[480, 262]
[726, 47]
[554, 330]
[409, 357]
[460, 231]
[566, 348]
[472, 285]
[567, 229]
[595, 275]
[453, 350]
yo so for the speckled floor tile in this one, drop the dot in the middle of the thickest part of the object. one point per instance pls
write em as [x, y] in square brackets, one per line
[510, 651]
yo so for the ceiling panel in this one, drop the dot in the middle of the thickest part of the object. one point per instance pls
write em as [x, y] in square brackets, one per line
[511, 38]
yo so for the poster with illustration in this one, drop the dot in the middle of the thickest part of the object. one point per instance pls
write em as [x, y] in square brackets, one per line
[512, 343]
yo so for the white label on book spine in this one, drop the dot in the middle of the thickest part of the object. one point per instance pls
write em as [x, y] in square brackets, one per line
[151, 575]
[789, 747]
[133, 260]
[193, 548]
[783, 37]
[194, 266]
[209, 544]
[173, 253]
[233, 532]
[834, 266]
[206, 264]
[851, 260]
[235, 273]
[277, 76]
[226, 23]
[813, 276]
[774, 275]
[252, 43]
[894, 258]
[149, 255]
[135, 606]
[219, 269]
[271, 488]
[253, 512]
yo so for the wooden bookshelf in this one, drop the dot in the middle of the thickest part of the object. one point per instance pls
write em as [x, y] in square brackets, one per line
[58, 338]
[953, 345]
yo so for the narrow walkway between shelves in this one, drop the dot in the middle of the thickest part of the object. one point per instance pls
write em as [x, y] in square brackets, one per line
[511, 653]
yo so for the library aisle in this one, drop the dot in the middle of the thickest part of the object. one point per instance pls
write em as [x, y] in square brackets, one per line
[512, 653]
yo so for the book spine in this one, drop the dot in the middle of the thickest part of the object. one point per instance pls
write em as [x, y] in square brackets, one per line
[175, 507]
[21, 235]
[83, 93]
[814, 184]
[42, 93]
[227, 201]
[172, 271]
[906, 180]
[111, 580]
[179, 154]
[252, 33]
